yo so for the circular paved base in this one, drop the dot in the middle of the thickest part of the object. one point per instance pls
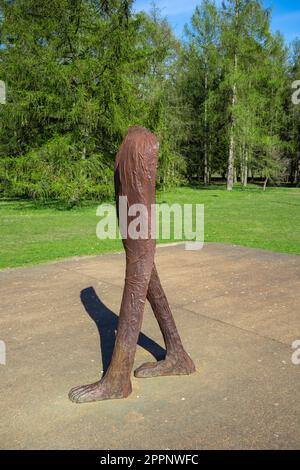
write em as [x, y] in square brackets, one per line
[238, 312]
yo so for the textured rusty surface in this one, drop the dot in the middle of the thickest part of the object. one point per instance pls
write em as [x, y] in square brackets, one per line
[135, 172]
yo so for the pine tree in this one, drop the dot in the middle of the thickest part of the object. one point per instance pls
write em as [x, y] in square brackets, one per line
[245, 30]
[292, 134]
[200, 68]
[75, 72]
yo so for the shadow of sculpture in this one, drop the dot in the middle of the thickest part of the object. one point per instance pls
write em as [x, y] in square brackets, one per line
[107, 323]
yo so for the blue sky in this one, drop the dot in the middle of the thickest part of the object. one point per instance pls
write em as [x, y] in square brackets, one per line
[286, 14]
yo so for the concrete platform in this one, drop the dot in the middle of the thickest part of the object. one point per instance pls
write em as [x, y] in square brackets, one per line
[238, 311]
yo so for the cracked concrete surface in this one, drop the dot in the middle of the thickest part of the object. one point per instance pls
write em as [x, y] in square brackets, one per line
[238, 311]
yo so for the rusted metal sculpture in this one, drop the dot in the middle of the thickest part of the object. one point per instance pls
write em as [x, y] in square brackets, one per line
[135, 171]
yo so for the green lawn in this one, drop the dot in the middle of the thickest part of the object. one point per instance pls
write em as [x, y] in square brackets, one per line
[35, 233]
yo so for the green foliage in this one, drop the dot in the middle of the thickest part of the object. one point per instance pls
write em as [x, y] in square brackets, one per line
[57, 171]
[80, 72]
[235, 80]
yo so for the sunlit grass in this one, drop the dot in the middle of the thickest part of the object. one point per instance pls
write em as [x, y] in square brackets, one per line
[33, 233]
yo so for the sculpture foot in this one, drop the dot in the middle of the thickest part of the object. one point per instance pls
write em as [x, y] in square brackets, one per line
[99, 391]
[173, 365]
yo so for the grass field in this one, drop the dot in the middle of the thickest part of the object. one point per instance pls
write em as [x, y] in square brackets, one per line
[33, 233]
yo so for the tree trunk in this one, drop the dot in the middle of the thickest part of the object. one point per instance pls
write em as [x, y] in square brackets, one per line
[85, 134]
[265, 183]
[242, 164]
[230, 171]
[230, 163]
[206, 168]
[245, 178]
[297, 170]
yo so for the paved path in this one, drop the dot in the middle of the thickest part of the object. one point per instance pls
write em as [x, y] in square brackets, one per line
[238, 311]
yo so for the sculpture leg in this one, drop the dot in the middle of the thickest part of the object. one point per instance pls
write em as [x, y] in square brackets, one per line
[135, 179]
[116, 383]
[177, 361]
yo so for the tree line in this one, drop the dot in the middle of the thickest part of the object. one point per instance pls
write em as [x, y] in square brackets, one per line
[78, 73]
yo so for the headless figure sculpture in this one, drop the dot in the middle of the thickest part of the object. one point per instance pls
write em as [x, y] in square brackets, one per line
[135, 171]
